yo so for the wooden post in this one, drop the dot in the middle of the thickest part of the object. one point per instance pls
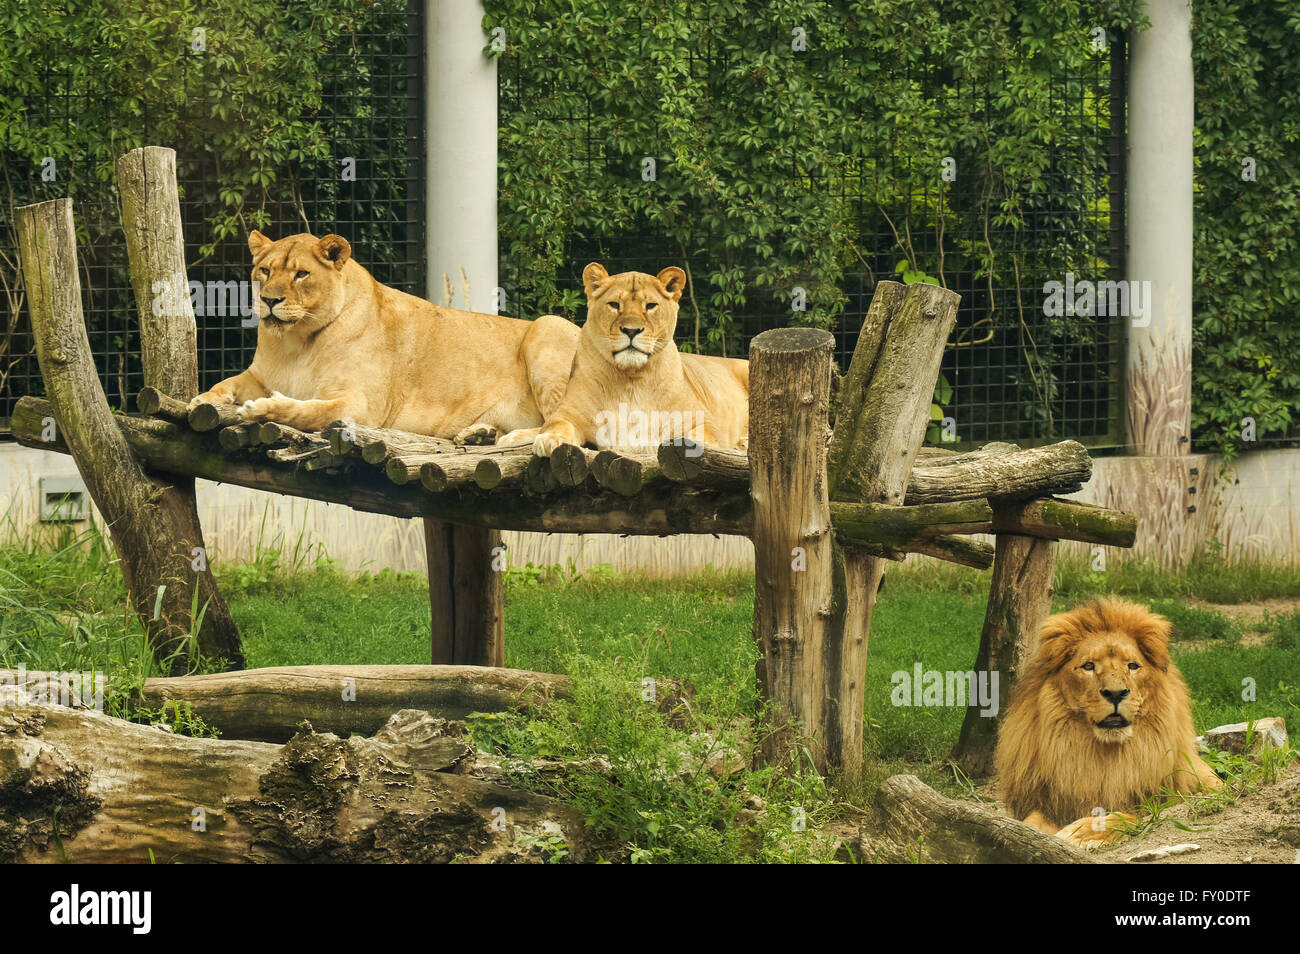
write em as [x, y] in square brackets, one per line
[465, 594]
[1020, 597]
[155, 245]
[798, 592]
[145, 527]
[884, 407]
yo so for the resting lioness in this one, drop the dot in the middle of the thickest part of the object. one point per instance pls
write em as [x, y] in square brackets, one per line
[630, 385]
[334, 344]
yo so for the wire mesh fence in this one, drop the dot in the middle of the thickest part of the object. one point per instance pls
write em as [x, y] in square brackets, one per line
[1013, 372]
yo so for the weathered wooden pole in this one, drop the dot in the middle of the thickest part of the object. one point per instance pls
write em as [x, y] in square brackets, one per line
[155, 245]
[884, 406]
[145, 527]
[466, 596]
[799, 588]
[1020, 597]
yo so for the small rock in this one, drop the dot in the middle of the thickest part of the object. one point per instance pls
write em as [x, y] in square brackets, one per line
[162, 725]
[1268, 733]
[1155, 854]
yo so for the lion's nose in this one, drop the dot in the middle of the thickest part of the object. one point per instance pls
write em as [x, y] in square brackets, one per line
[631, 332]
[1114, 696]
[271, 302]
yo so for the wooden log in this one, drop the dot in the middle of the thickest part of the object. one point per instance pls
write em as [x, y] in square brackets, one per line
[237, 437]
[538, 476]
[155, 532]
[570, 465]
[465, 594]
[378, 444]
[694, 463]
[912, 823]
[662, 508]
[266, 705]
[884, 407]
[450, 470]
[628, 475]
[1020, 597]
[1052, 469]
[210, 417]
[972, 553]
[155, 403]
[500, 470]
[798, 590]
[1050, 518]
[134, 794]
[155, 245]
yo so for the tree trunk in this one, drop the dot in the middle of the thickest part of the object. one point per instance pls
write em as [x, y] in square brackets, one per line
[913, 823]
[799, 591]
[155, 246]
[84, 787]
[152, 532]
[1020, 597]
[466, 565]
[884, 404]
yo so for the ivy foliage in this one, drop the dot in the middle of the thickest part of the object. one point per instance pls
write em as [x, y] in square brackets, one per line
[1246, 344]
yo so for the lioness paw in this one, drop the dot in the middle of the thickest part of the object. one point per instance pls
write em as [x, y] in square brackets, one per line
[477, 434]
[544, 444]
[265, 409]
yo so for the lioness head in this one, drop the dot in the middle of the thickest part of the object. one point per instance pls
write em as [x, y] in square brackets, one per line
[301, 279]
[1108, 658]
[631, 316]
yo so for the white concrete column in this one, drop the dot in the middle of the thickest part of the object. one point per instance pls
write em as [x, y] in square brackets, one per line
[1159, 225]
[461, 148]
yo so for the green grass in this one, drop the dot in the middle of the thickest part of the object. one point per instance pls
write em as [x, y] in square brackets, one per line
[62, 607]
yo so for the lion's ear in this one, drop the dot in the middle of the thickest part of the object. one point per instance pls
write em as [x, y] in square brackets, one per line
[1057, 637]
[1152, 636]
[674, 281]
[593, 276]
[335, 249]
[257, 241]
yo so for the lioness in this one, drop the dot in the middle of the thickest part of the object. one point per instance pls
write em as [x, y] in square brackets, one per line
[334, 344]
[628, 368]
[1099, 720]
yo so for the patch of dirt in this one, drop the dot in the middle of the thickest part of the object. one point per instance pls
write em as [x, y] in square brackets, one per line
[1250, 612]
[1262, 827]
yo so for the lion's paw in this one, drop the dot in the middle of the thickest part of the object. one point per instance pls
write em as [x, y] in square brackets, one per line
[271, 408]
[1095, 830]
[544, 444]
[478, 434]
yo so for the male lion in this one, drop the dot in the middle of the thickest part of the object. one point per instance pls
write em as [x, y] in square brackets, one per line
[335, 344]
[628, 369]
[1099, 718]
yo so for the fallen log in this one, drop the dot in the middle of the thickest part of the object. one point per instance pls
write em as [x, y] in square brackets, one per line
[914, 823]
[84, 787]
[266, 705]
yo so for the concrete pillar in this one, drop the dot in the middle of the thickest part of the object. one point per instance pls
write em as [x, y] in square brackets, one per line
[461, 149]
[1160, 116]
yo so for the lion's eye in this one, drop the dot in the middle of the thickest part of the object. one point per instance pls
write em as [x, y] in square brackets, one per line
[1134, 666]
[651, 305]
[264, 271]
[1089, 666]
[301, 275]
[613, 304]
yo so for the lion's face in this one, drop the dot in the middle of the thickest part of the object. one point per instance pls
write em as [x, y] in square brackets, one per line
[1107, 666]
[631, 316]
[301, 279]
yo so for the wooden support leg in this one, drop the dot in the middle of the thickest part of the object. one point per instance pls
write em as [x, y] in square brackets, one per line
[465, 594]
[1020, 597]
[799, 586]
[151, 530]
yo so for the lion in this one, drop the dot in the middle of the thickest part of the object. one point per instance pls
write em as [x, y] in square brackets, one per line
[630, 387]
[1099, 720]
[334, 344]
